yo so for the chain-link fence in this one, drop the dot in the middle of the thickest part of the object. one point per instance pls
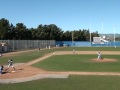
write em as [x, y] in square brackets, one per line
[15, 45]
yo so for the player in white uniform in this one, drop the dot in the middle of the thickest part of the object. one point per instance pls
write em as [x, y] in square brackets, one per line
[10, 64]
[99, 56]
[73, 51]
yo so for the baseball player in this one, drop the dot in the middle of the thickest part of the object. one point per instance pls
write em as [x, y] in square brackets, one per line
[73, 51]
[10, 64]
[1, 70]
[99, 56]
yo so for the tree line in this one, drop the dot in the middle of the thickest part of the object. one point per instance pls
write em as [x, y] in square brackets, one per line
[43, 32]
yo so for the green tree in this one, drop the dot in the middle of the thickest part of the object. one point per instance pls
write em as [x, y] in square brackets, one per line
[55, 33]
[48, 32]
[11, 33]
[4, 28]
[67, 36]
[20, 31]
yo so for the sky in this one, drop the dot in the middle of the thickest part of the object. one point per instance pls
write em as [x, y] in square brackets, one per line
[96, 15]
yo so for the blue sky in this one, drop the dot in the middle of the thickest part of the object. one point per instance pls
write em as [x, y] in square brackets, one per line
[66, 14]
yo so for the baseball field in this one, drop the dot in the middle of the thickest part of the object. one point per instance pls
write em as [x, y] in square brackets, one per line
[62, 69]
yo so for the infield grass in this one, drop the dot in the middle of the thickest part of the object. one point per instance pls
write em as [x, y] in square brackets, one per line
[79, 63]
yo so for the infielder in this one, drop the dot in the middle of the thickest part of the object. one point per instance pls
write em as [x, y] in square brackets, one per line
[73, 51]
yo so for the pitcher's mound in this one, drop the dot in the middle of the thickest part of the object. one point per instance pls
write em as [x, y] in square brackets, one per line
[104, 60]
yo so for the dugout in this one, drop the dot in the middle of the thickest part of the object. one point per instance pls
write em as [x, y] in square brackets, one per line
[5, 47]
[0, 48]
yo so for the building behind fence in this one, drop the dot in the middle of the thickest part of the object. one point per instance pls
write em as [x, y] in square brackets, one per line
[15, 45]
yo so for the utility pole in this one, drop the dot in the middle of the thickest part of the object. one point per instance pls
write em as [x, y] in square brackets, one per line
[114, 34]
[72, 38]
[90, 31]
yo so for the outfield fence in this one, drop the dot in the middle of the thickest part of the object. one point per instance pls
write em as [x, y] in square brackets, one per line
[15, 45]
[87, 44]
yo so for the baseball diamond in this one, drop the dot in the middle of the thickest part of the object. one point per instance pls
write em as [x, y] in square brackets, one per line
[23, 70]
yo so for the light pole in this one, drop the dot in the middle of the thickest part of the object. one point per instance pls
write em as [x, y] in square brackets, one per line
[90, 32]
[102, 26]
[72, 38]
[114, 35]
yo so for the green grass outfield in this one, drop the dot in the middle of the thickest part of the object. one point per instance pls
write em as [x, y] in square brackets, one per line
[92, 48]
[74, 82]
[29, 56]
